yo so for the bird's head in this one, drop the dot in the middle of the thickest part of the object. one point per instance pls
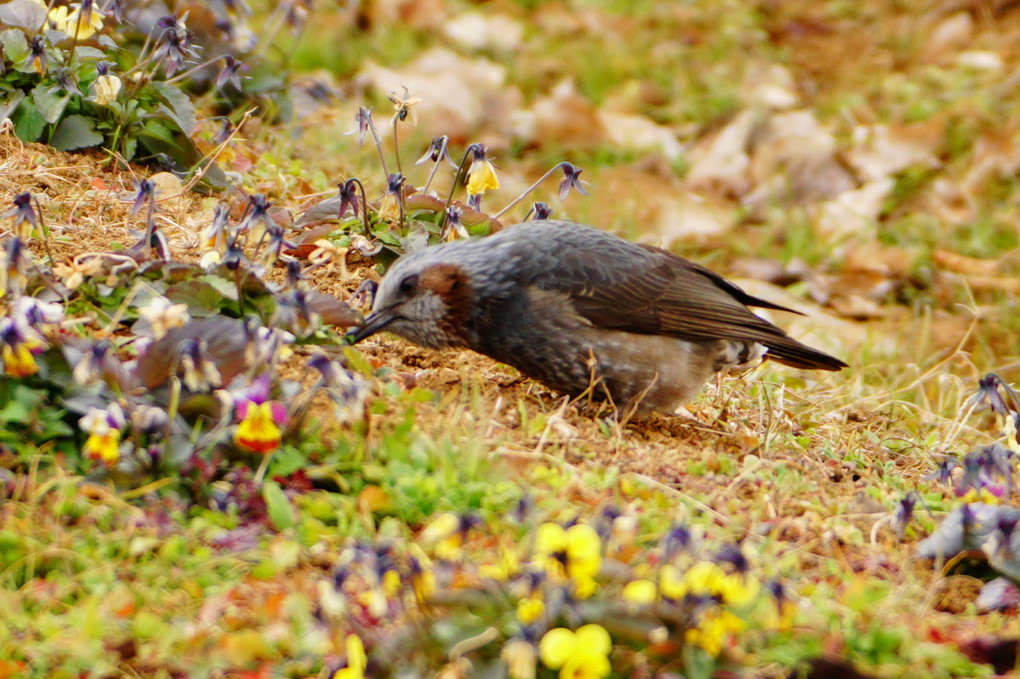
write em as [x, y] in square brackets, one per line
[423, 301]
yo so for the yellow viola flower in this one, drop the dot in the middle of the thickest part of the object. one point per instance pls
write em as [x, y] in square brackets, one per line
[357, 660]
[508, 566]
[530, 609]
[441, 527]
[671, 582]
[574, 553]
[738, 589]
[584, 551]
[19, 361]
[70, 21]
[704, 579]
[481, 177]
[641, 592]
[780, 616]
[715, 628]
[103, 446]
[391, 583]
[424, 585]
[423, 578]
[258, 431]
[584, 586]
[389, 208]
[550, 538]
[981, 495]
[103, 426]
[583, 654]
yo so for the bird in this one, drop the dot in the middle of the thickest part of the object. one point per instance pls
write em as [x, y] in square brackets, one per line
[583, 312]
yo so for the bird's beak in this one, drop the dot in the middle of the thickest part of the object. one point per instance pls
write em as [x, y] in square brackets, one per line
[375, 322]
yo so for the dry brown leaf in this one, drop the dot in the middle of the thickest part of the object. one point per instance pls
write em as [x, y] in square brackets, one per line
[880, 151]
[454, 91]
[564, 118]
[638, 133]
[970, 266]
[854, 212]
[721, 161]
[953, 33]
[477, 30]
[793, 158]
[887, 260]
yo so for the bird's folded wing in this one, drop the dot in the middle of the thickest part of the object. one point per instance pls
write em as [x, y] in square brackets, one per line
[663, 294]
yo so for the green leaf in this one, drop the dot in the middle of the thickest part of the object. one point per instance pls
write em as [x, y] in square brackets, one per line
[9, 101]
[15, 45]
[128, 148]
[28, 124]
[286, 461]
[86, 52]
[225, 288]
[278, 507]
[14, 412]
[76, 132]
[50, 104]
[177, 106]
[23, 14]
[156, 129]
[201, 296]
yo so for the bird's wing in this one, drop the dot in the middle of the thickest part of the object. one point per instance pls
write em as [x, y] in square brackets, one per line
[651, 291]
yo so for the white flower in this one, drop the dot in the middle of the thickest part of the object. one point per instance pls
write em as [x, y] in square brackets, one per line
[161, 315]
[94, 422]
[105, 89]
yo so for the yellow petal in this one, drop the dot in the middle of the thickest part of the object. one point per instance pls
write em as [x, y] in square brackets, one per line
[641, 592]
[671, 583]
[550, 538]
[556, 647]
[594, 639]
[583, 542]
[356, 658]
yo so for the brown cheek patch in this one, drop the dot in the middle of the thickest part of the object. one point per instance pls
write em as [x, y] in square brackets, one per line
[452, 285]
[443, 279]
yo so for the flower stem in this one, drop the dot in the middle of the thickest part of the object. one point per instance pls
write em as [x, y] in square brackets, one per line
[435, 166]
[378, 147]
[396, 149]
[364, 207]
[458, 179]
[528, 190]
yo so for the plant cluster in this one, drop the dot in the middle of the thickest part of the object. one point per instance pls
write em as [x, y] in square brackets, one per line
[122, 75]
[221, 387]
[980, 527]
[569, 599]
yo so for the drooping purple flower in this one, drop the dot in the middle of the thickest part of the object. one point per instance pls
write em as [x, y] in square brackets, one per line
[541, 210]
[348, 198]
[571, 180]
[65, 82]
[437, 152]
[230, 73]
[37, 54]
[173, 45]
[146, 193]
[944, 471]
[23, 212]
[256, 216]
[364, 119]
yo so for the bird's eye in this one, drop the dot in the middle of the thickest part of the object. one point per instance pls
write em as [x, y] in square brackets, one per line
[409, 284]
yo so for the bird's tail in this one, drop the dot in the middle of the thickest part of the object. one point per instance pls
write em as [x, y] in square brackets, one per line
[789, 351]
